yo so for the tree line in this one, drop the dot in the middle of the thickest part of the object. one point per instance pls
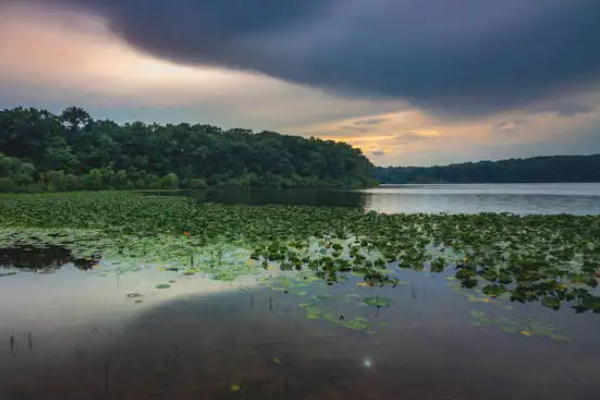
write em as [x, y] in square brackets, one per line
[538, 169]
[72, 151]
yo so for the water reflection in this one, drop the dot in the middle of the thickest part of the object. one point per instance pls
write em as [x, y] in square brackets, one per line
[299, 197]
[577, 198]
[199, 346]
[47, 257]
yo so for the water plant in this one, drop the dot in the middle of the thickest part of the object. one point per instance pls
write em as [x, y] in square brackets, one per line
[552, 259]
[378, 301]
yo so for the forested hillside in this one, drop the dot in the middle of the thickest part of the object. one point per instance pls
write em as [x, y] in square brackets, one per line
[538, 169]
[71, 151]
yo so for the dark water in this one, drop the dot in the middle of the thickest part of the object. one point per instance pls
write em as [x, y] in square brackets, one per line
[576, 198]
[75, 335]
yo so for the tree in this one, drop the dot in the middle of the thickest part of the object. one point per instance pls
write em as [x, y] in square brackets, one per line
[537, 169]
[105, 155]
[170, 181]
[15, 174]
[75, 118]
[93, 180]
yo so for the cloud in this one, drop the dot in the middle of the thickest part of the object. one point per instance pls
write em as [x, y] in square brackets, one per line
[574, 109]
[56, 58]
[457, 57]
[505, 126]
[378, 153]
[404, 138]
[354, 128]
[414, 137]
[371, 121]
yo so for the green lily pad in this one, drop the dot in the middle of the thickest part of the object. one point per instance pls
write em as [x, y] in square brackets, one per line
[378, 301]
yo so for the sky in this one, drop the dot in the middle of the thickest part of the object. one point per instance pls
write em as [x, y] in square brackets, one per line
[410, 82]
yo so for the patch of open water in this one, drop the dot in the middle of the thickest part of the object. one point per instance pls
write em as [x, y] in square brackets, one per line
[93, 333]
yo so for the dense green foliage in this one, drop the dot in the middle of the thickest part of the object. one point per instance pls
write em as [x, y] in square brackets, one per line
[537, 169]
[550, 259]
[14, 173]
[72, 151]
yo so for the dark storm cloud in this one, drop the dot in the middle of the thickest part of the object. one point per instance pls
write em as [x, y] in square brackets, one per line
[460, 56]
[574, 109]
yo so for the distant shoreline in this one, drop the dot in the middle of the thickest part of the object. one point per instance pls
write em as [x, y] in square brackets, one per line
[550, 169]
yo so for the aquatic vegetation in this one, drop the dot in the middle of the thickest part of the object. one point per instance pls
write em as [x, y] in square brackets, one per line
[525, 326]
[163, 286]
[378, 301]
[311, 311]
[552, 259]
[317, 310]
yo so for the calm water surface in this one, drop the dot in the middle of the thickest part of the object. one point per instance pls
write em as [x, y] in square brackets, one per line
[576, 198]
[75, 334]
[80, 330]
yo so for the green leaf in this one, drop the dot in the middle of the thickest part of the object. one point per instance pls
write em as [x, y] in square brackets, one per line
[378, 301]
[551, 302]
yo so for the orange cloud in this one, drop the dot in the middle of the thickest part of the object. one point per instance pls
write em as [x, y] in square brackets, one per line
[412, 136]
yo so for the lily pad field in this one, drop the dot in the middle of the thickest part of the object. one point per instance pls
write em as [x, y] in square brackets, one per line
[123, 295]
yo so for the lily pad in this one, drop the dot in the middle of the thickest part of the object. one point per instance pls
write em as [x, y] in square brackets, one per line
[378, 301]
[322, 297]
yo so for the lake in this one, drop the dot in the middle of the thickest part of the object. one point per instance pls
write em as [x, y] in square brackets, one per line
[539, 198]
[76, 325]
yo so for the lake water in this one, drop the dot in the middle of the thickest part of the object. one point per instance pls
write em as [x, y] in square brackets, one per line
[75, 334]
[540, 198]
[73, 329]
